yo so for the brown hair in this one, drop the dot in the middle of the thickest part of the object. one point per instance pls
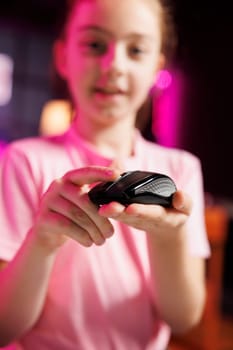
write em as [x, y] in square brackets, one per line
[168, 46]
[169, 35]
[169, 38]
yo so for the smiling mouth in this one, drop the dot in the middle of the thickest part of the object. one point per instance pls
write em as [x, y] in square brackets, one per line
[108, 92]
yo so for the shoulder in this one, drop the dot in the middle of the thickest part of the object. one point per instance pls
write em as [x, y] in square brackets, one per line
[37, 142]
[35, 147]
[36, 158]
[182, 166]
[173, 157]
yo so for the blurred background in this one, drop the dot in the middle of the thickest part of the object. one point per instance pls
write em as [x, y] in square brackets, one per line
[192, 109]
[203, 64]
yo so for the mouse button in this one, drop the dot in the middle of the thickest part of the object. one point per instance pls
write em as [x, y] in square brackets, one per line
[103, 186]
[137, 176]
[98, 191]
[111, 185]
[117, 189]
[110, 194]
[126, 173]
[124, 181]
[132, 179]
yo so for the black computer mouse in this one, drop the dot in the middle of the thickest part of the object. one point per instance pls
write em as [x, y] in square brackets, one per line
[135, 187]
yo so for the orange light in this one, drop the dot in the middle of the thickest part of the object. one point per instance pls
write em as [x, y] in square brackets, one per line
[56, 117]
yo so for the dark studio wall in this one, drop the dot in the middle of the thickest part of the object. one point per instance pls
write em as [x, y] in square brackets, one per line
[30, 50]
[26, 35]
[204, 54]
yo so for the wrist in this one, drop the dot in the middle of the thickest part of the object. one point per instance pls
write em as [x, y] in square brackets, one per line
[168, 238]
[47, 242]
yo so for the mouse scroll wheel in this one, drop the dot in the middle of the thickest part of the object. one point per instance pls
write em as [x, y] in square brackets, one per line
[161, 186]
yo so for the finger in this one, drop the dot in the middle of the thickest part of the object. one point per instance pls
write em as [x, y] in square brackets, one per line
[58, 227]
[124, 214]
[91, 174]
[80, 199]
[77, 216]
[140, 216]
[103, 224]
[182, 202]
[115, 209]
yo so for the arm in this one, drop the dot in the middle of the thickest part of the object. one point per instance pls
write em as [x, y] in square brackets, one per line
[65, 212]
[178, 284]
[179, 281]
[23, 290]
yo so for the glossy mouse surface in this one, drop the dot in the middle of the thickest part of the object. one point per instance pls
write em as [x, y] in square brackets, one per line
[135, 187]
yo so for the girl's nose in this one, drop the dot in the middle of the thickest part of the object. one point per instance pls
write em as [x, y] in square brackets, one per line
[114, 60]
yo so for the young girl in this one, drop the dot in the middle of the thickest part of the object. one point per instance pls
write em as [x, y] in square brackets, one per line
[75, 276]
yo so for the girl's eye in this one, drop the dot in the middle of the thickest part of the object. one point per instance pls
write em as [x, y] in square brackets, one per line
[96, 47]
[136, 51]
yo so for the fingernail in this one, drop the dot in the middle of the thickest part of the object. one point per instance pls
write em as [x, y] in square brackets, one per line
[109, 234]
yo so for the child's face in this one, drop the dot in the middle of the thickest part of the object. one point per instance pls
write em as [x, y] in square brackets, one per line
[111, 55]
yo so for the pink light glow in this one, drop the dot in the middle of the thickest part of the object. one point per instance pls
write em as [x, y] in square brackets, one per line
[164, 79]
[167, 111]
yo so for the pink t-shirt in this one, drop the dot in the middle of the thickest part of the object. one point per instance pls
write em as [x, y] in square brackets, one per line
[98, 297]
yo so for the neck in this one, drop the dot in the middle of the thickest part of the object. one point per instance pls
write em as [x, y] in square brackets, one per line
[111, 141]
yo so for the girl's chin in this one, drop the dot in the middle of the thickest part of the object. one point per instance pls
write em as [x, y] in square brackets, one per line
[111, 114]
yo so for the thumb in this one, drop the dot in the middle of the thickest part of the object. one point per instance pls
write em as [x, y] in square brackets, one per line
[90, 174]
[182, 202]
